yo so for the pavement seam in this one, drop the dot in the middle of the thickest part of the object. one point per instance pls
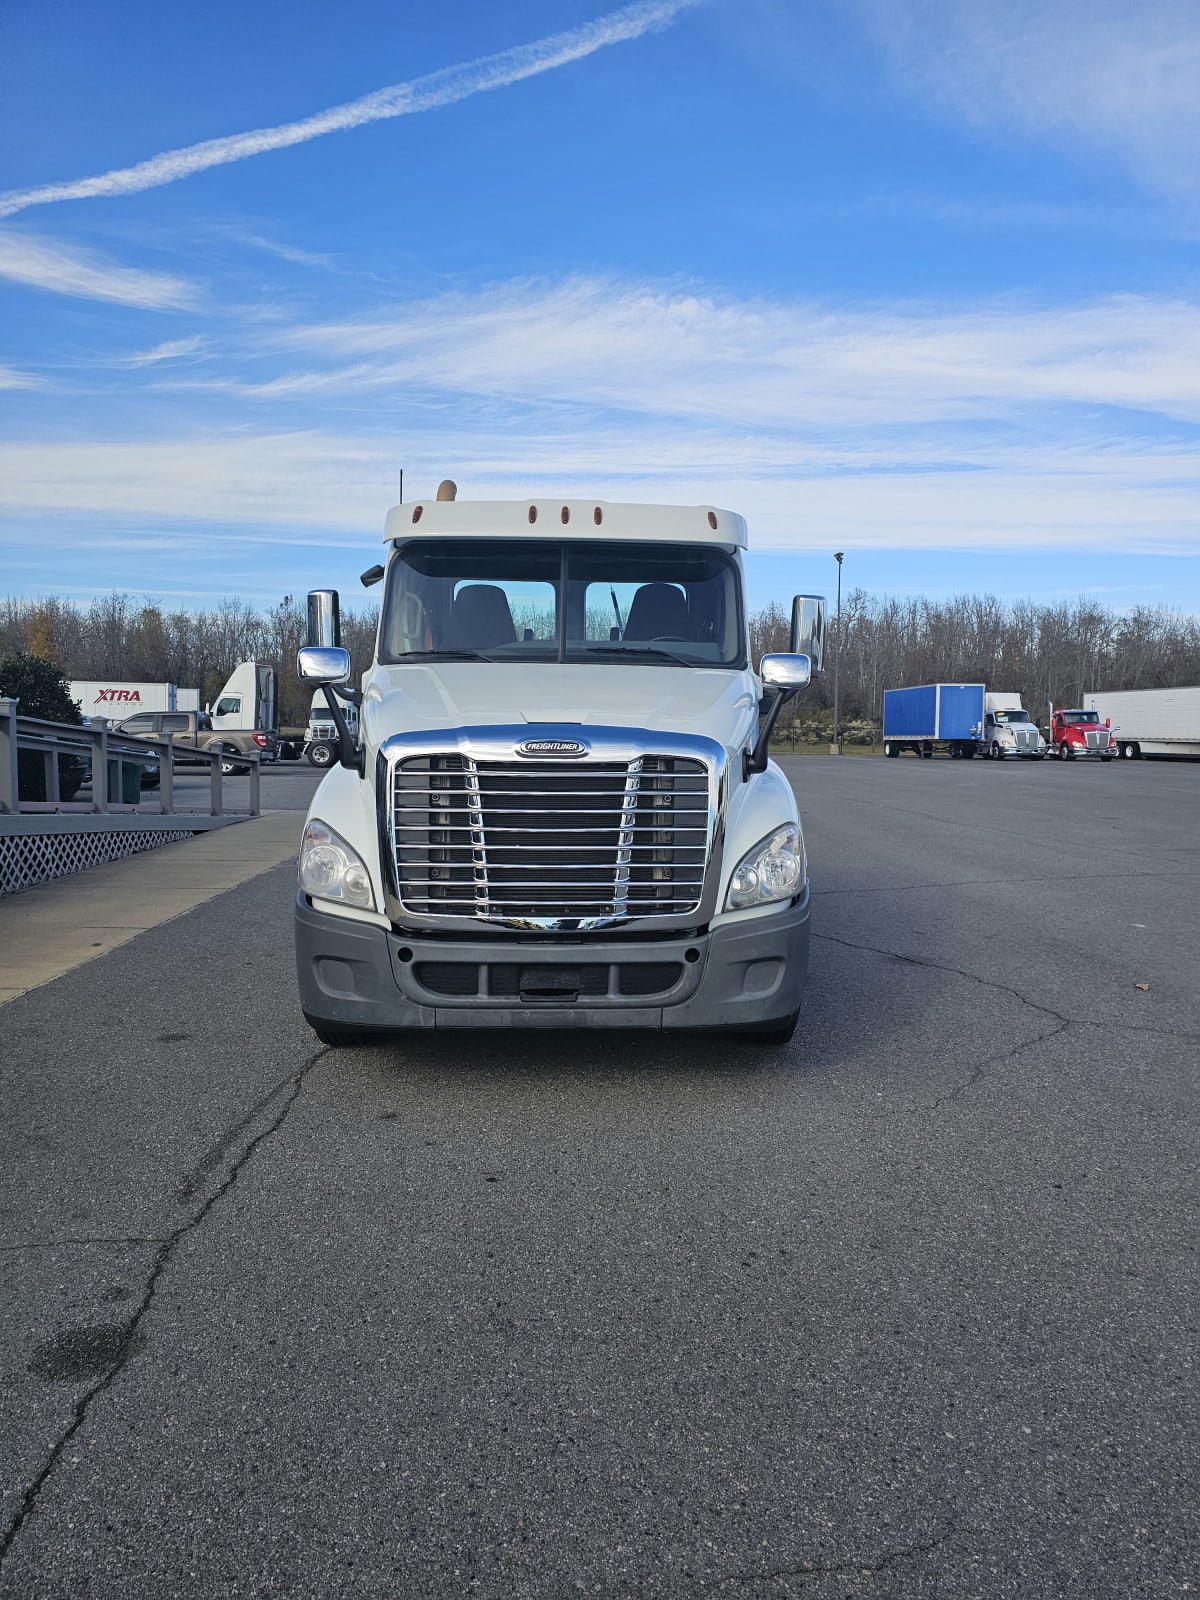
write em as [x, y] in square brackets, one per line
[825, 1569]
[159, 1265]
[75, 1244]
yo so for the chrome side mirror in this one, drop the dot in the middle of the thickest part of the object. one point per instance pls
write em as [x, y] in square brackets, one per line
[317, 663]
[785, 672]
[808, 629]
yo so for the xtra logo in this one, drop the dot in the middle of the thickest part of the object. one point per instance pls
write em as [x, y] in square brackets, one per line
[567, 749]
[127, 696]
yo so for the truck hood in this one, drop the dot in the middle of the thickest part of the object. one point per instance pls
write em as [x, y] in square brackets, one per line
[698, 700]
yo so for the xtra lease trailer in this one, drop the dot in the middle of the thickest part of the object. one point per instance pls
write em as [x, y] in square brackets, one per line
[115, 700]
[920, 719]
[1151, 722]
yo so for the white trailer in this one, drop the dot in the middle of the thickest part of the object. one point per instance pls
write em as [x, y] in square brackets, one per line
[114, 700]
[1151, 722]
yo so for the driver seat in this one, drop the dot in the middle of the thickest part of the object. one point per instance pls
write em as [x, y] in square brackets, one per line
[658, 611]
[480, 619]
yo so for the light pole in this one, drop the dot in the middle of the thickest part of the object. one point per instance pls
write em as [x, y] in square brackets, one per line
[835, 748]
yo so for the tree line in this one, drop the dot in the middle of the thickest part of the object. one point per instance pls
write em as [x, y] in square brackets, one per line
[1047, 653]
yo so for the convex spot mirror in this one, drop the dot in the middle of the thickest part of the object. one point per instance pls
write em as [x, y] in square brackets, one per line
[785, 672]
[317, 663]
[808, 629]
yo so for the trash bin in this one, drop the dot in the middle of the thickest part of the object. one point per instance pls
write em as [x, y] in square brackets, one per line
[124, 782]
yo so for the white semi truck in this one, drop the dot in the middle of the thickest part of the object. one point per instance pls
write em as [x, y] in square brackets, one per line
[1009, 730]
[1151, 722]
[321, 734]
[558, 810]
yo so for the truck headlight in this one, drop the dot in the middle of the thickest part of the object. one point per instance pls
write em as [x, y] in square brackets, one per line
[774, 870]
[331, 870]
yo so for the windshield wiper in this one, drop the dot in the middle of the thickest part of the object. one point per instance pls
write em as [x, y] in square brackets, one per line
[635, 651]
[442, 655]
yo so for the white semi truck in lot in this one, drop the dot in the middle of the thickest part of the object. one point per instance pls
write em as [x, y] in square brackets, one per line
[1009, 730]
[1151, 722]
[558, 810]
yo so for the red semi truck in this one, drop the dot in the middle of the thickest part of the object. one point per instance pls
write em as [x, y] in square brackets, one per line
[1080, 733]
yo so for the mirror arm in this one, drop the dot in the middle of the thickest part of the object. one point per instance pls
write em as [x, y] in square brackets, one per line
[350, 752]
[771, 705]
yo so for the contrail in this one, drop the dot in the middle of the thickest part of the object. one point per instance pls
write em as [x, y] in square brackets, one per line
[426, 93]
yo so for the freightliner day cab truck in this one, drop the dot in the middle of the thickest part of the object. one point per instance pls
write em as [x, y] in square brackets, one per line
[558, 810]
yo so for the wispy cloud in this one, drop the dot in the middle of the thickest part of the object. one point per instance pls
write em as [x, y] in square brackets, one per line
[988, 425]
[169, 350]
[10, 378]
[427, 93]
[646, 348]
[64, 269]
[287, 252]
[1105, 74]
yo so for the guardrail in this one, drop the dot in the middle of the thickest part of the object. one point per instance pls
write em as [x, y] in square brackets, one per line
[109, 758]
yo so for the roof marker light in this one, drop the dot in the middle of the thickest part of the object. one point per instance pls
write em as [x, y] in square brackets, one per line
[566, 514]
[597, 516]
[533, 513]
[417, 510]
[712, 519]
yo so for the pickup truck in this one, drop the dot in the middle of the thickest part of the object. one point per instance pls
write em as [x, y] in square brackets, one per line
[192, 732]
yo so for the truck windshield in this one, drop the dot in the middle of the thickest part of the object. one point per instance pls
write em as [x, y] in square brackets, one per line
[562, 601]
[1012, 716]
[1081, 716]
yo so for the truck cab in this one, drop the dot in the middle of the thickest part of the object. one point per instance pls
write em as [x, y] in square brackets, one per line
[1081, 733]
[321, 734]
[558, 809]
[1009, 730]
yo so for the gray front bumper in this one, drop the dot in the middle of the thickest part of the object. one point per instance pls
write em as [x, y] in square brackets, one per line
[742, 975]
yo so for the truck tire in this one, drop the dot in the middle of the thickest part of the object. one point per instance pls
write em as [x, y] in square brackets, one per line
[343, 1036]
[320, 754]
[230, 765]
[926, 752]
[775, 1033]
[1131, 751]
[890, 747]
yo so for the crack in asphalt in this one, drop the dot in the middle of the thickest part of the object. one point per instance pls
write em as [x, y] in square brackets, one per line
[824, 1569]
[158, 1266]
[1181, 1034]
[959, 972]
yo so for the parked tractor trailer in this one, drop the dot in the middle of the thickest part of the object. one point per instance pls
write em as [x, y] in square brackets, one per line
[1150, 722]
[964, 719]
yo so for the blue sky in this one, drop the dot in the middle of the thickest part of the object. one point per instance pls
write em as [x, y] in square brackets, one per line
[913, 279]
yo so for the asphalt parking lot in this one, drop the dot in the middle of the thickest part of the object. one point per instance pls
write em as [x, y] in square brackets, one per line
[905, 1308]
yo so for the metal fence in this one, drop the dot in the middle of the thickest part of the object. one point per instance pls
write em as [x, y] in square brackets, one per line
[115, 768]
[92, 809]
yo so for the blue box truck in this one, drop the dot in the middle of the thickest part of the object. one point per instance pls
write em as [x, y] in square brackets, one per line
[949, 716]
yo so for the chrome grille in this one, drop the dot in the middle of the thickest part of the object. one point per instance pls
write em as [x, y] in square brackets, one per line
[549, 843]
